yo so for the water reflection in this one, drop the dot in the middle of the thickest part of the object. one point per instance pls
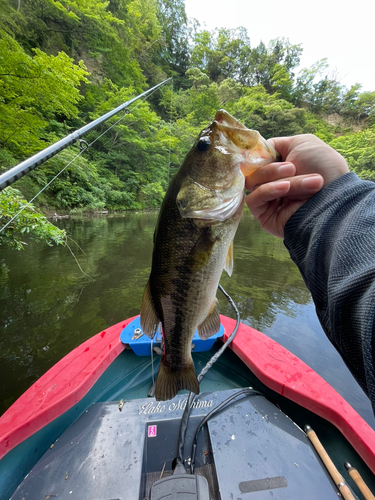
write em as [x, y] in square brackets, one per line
[48, 307]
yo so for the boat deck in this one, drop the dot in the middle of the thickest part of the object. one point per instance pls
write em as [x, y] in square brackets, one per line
[250, 446]
[102, 370]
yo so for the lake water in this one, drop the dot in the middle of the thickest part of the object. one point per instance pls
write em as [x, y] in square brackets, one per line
[48, 305]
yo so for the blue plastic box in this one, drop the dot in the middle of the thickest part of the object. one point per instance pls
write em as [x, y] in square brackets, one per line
[142, 345]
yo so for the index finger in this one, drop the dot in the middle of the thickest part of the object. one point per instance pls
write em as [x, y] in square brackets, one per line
[269, 173]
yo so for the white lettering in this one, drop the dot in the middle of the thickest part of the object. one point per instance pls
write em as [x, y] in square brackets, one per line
[181, 405]
[151, 407]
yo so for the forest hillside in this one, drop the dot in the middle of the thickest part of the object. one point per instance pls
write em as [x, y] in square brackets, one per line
[65, 63]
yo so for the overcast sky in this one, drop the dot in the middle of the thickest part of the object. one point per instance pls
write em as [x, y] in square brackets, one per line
[342, 32]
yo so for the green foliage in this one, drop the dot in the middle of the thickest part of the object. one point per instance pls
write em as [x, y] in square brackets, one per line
[176, 31]
[204, 99]
[34, 90]
[272, 66]
[323, 94]
[269, 114]
[221, 53]
[129, 45]
[142, 33]
[28, 223]
[321, 128]
[136, 150]
[359, 151]
[359, 107]
[229, 91]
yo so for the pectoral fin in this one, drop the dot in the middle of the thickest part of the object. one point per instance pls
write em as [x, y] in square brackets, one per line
[201, 252]
[158, 351]
[211, 324]
[228, 266]
[149, 318]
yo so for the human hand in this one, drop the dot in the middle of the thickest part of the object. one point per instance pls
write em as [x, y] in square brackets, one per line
[278, 190]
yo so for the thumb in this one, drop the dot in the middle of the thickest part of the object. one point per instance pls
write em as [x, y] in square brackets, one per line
[283, 145]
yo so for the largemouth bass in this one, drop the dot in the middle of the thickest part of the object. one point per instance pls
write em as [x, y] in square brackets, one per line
[193, 243]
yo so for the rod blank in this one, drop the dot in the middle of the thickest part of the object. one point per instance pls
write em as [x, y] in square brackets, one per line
[23, 168]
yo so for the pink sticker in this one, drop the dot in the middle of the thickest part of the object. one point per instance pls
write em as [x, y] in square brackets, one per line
[152, 431]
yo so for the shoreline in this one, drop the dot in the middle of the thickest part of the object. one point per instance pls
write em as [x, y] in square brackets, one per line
[107, 213]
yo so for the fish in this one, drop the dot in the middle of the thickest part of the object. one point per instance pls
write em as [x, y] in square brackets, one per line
[193, 243]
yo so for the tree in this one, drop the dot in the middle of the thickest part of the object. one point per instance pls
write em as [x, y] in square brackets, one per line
[222, 53]
[326, 97]
[229, 91]
[359, 151]
[359, 106]
[204, 98]
[203, 45]
[176, 34]
[143, 33]
[46, 92]
[304, 85]
[268, 114]
[135, 150]
[28, 223]
[321, 93]
[272, 66]
[230, 56]
[34, 90]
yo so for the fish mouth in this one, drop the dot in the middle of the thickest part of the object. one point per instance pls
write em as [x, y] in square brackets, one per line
[234, 151]
[235, 138]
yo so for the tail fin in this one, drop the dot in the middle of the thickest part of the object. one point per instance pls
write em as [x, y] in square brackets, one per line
[170, 382]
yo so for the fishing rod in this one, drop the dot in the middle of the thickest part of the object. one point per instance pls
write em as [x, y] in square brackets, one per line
[23, 168]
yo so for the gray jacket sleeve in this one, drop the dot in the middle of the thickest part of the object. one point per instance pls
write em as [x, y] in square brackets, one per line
[331, 238]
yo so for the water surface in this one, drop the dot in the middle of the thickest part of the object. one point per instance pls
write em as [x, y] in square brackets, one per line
[48, 306]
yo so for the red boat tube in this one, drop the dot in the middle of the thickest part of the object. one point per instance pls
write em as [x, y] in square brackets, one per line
[70, 379]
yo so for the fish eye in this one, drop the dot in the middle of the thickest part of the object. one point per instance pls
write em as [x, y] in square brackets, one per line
[204, 144]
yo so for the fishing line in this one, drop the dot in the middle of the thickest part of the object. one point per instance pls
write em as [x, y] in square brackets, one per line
[78, 264]
[185, 417]
[152, 362]
[83, 149]
[41, 191]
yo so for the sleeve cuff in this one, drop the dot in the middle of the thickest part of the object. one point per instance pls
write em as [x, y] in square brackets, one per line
[330, 204]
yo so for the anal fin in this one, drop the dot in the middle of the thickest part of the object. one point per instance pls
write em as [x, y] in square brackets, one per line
[228, 266]
[211, 324]
[149, 318]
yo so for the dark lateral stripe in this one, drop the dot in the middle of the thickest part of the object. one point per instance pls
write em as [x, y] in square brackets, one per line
[268, 483]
